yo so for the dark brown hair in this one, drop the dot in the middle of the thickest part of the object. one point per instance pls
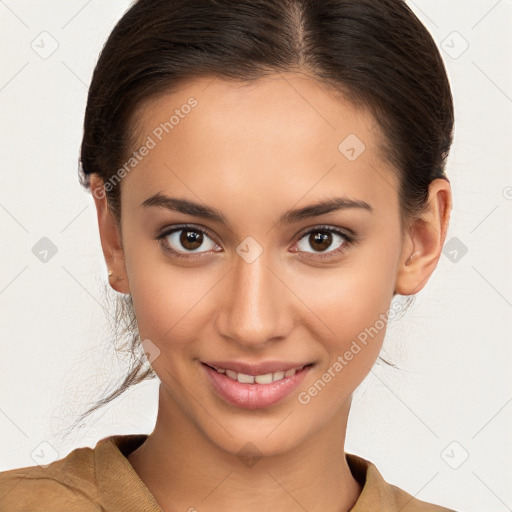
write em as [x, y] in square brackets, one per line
[376, 53]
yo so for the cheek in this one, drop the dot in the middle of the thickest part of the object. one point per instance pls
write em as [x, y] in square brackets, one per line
[355, 314]
[169, 301]
[354, 304]
[355, 311]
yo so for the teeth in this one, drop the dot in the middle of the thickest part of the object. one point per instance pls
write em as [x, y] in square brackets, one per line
[267, 378]
[246, 379]
[263, 379]
[231, 374]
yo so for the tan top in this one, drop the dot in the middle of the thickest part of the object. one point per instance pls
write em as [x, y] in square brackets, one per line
[103, 480]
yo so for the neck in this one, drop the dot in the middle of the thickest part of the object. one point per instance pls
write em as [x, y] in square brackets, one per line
[184, 470]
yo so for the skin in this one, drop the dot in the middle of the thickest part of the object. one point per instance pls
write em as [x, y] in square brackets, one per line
[253, 152]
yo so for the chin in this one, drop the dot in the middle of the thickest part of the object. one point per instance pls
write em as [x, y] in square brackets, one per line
[255, 435]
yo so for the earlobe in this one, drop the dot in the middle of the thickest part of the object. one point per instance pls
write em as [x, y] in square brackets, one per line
[110, 238]
[424, 240]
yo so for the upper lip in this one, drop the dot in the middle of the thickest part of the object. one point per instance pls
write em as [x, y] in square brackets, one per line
[260, 368]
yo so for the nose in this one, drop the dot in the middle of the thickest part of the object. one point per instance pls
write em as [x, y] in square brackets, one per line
[255, 307]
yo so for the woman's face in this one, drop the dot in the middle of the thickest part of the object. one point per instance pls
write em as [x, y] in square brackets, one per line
[267, 279]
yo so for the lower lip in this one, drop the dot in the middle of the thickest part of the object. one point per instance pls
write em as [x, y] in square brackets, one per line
[253, 396]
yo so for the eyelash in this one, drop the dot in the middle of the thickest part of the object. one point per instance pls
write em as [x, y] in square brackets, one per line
[349, 240]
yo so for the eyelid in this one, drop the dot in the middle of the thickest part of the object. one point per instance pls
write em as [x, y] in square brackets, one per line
[349, 239]
[346, 232]
[169, 230]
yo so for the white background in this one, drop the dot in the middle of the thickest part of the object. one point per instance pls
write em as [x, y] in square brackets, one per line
[453, 397]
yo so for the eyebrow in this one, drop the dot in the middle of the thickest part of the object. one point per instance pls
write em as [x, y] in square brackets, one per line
[188, 207]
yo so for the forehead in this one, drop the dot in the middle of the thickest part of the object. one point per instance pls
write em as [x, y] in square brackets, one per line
[282, 137]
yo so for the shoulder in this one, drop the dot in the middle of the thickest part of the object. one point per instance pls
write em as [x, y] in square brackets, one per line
[379, 495]
[405, 502]
[66, 484]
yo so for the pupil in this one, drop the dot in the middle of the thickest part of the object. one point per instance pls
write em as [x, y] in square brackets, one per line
[320, 239]
[191, 239]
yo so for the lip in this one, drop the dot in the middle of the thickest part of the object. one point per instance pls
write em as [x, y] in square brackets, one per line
[254, 396]
[256, 368]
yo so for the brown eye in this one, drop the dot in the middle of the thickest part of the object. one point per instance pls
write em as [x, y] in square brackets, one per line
[322, 239]
[190, 240]
[187, 241]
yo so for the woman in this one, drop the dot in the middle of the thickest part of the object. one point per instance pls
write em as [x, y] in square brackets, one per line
[268, 175]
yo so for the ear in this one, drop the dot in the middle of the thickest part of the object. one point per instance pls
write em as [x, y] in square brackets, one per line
[110, 235]
[424, 240]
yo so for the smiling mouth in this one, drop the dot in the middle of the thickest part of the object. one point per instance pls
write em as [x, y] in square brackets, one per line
[247, 391]
[266, 378]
